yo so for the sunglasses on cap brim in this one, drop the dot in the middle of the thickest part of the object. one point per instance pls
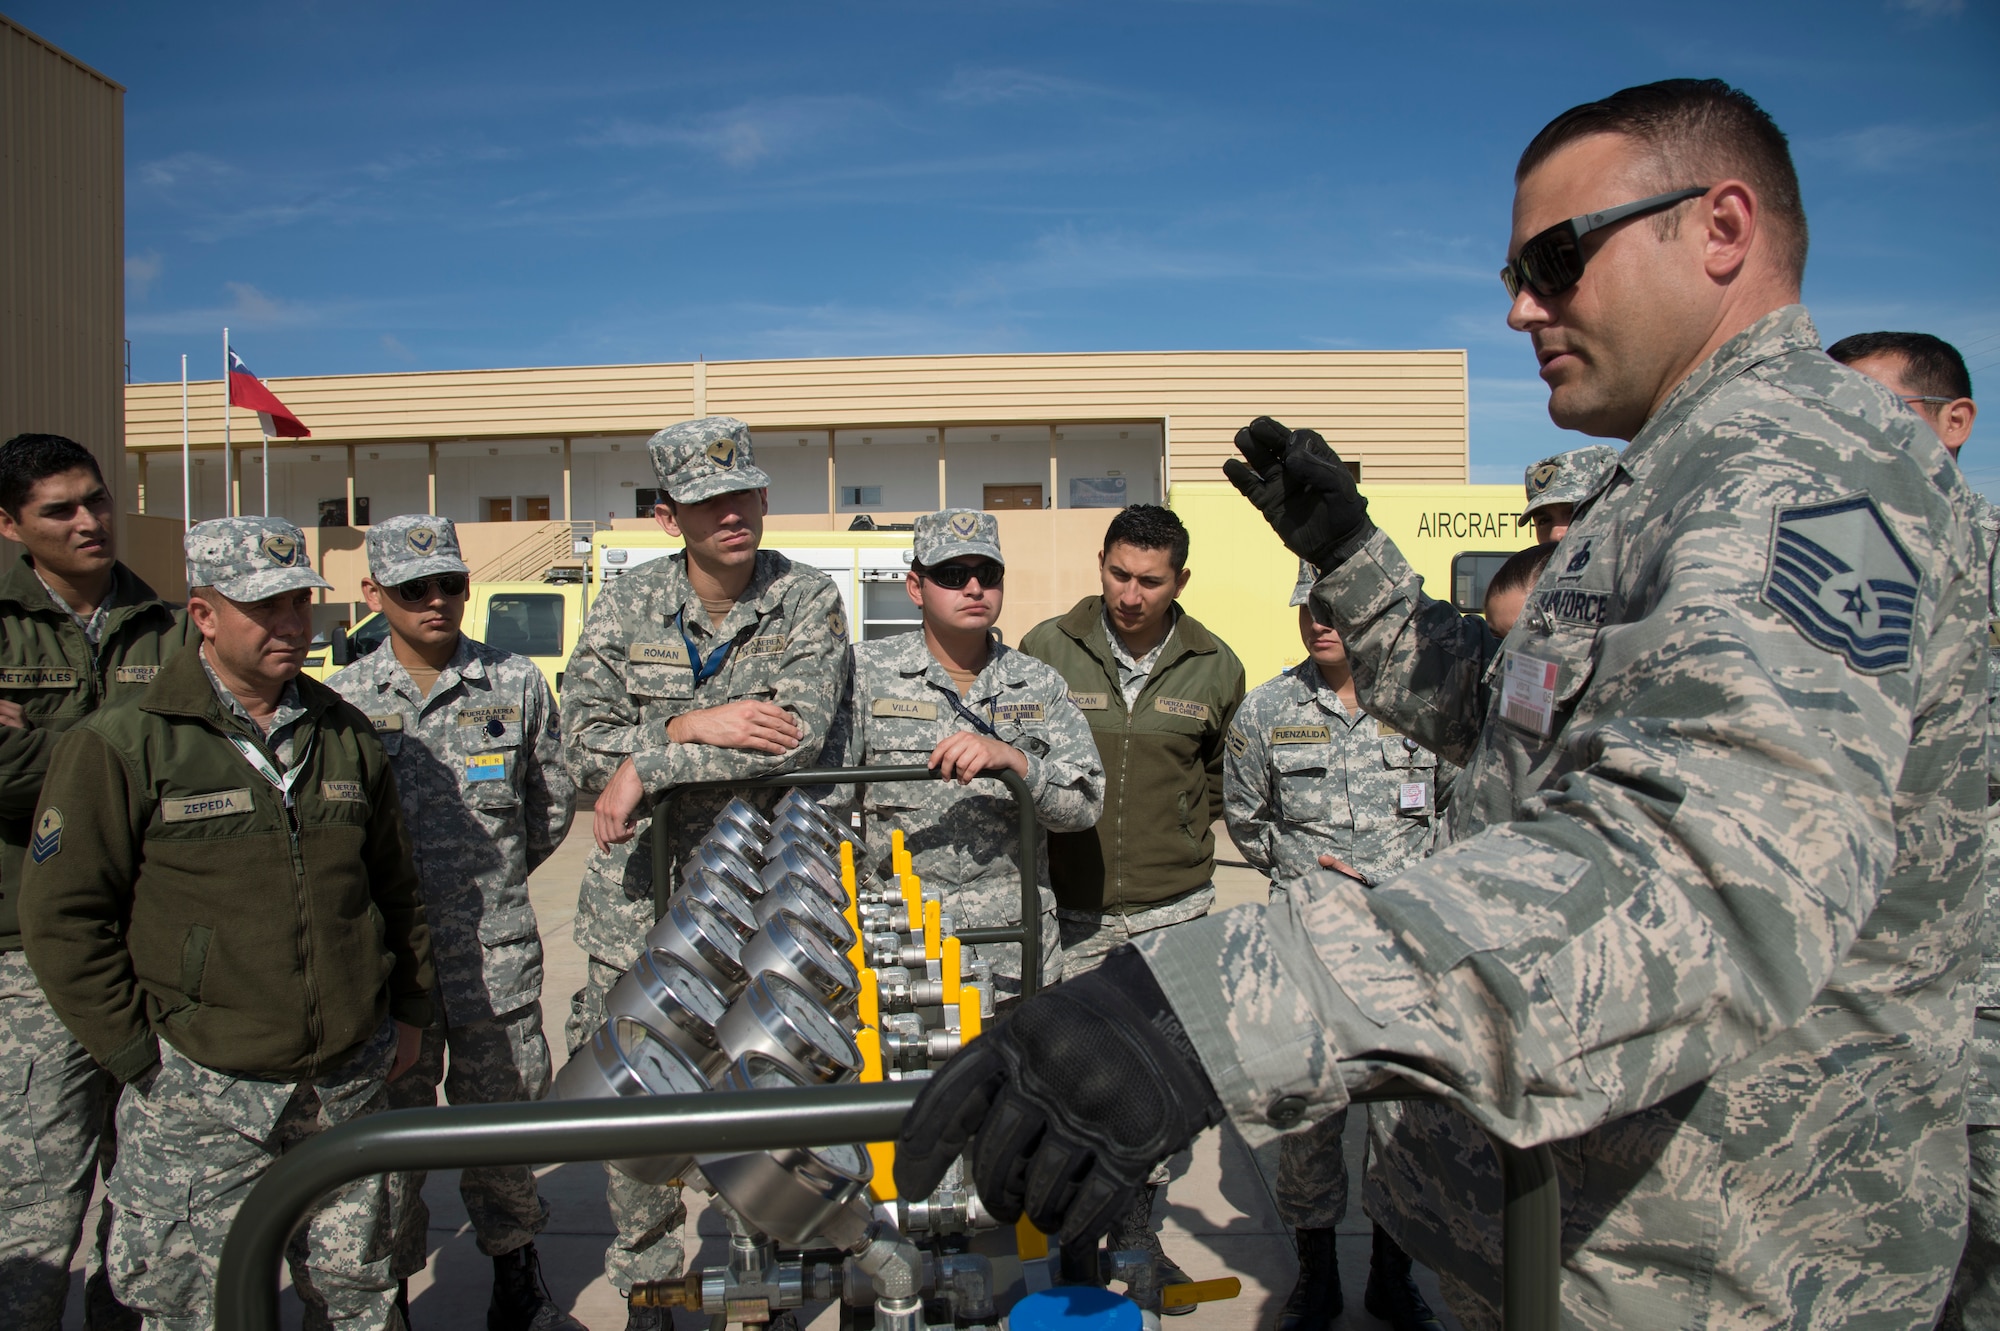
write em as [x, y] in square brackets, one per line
[954, 577]
[418, 590]
[1551, 261]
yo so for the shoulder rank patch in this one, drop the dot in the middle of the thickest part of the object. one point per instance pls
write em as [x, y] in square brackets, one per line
[48, 835]
[658, 653]
[1301, 735]
[346, 792]
[1993, 633]
[136, 674]
[836, 625]
[37, 677]
[385, 721]
[192, 808]
[1019, 713]
[1091, 702]
[771, 644]
[1844, 581]
[1238, 742]
[904, 707]
[1184, 707]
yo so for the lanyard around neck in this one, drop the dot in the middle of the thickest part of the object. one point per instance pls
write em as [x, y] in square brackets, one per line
[979, 723]
[261, 764]
[704, 667]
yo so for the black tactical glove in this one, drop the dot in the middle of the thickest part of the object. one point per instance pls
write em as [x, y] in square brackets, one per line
[1068, 1104]
[1303, 490]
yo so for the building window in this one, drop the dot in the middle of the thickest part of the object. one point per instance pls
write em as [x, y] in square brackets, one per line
[526, 623]
[861, 496]
[645, 501]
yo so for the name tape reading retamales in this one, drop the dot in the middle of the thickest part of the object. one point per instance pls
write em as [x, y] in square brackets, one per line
[36, 677]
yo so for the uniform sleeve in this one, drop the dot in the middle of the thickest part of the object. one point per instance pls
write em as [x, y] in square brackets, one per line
[812, 676]
[547, 794]
[1721, 826]
[1247, 808]
[1067, 782]
[76, 903]
[1419, 664]
[392, 883]
[1215, 747]
[24, 765]
[602, 725]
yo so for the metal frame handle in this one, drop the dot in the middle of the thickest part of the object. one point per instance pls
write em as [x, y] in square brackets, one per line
[246, 1282]
[1031, 896]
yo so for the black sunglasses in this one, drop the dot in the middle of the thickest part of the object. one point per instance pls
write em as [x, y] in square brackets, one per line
[419, 591]
[1551, 261]
[952, 577]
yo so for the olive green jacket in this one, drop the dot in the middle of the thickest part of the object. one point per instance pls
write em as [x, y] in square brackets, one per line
[172, 894]
[46, 666]
[1162, 762]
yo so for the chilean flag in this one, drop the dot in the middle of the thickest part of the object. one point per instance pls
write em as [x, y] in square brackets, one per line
[247, 390]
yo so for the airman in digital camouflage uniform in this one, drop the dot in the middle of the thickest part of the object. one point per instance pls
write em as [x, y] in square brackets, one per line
[220, 905]
[720, 661]
[474, 738]
[949, 697]
[78, 630]
[1929, 375]
[1712, 900]
[1311, 782]
[1556, 485]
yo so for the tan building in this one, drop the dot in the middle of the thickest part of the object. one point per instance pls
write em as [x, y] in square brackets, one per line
[62, 248]
[888, 437]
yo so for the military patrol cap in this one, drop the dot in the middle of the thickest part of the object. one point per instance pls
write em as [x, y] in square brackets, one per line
[699, 460]
[952, 532]
[1303, 589]
[1568, 478]
[249, 559]
[415, 545]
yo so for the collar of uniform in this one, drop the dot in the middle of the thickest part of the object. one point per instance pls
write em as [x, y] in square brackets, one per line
[464, 664]
[130, 595]
[182, 688]
[763, 592]
[913, 660]
[1086, 623]
[1314, 686]
[1782, 332]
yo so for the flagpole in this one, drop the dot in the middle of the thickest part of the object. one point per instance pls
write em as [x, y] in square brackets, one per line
[228, 453]
[187, 488]
[266, 467]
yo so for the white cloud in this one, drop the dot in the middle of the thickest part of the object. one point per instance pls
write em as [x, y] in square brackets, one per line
[184, 168]
[743, 135]
[987, 87]
[394, 346]
[1931, 8]
[1905, 146]
[250, 309]
[141, 271]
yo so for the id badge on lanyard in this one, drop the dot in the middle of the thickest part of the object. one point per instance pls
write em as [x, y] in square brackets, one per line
[1528, 692]
[282, 783]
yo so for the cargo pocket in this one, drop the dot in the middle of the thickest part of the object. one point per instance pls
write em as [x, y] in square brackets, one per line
[21, 1181]
[194, 960]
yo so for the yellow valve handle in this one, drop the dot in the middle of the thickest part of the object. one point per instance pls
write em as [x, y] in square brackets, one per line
[883, 1185]
[883, 1154]
[870, 1003]
[1029, 1242]
[933, 926]
[895, 846]
[949, 965]
[968, 1014]
[913, 901]
[1199, 1291]
[848, 879]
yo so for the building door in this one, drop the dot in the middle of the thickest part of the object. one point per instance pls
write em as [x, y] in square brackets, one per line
[1012, 497]
[534, 508]
[500, 510]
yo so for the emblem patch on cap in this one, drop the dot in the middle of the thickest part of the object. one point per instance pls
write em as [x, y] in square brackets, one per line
[1540, 478]
[48, 835]
[422, 540]
[964, 525]
[1844, 581]
[284, 551]
[723, 452]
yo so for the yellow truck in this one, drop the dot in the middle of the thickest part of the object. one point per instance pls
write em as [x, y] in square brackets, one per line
[539, 620]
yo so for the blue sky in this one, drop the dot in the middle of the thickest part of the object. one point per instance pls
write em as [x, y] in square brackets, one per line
[371, 186]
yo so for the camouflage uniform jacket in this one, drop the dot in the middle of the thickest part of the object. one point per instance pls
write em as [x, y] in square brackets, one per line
[1303, 776]
[1715, 926]
[630, 675]
[479, 768]
[50, 669]
[1982, 1088]
[965, 839]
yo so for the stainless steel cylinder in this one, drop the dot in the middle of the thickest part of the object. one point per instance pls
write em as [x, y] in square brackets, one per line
[798, 1194]
[737, 839]
[702, 940]
[797, 825]
[796, 801]
[722, 898]
[740, 810]
[805, 900]
[790, 947]
[627, 1058]
[666, 996]
[807, 861]
[777, 1019]
[730, 867]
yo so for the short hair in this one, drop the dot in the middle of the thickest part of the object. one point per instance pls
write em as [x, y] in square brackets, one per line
[1149, 527]
[1696, 132]
[28, 459]
[1931, 365]
[1521, 572]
